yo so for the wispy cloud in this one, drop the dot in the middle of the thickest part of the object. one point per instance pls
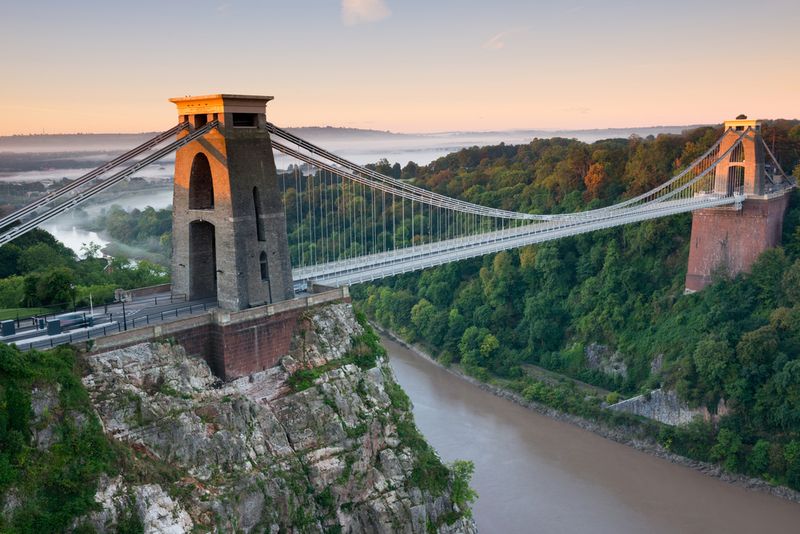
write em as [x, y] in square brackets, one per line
[363, 11]
[498, 42]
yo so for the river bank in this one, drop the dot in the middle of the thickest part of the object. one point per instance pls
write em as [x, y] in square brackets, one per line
[629, 435]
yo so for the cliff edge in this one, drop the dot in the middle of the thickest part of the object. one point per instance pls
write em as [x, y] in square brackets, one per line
[324, 442]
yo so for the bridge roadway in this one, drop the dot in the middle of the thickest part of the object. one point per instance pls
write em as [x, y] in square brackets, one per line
[160, 308]
[375, 266]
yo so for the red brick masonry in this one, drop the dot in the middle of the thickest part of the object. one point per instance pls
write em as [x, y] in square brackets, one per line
[234, 344]
[729, 241]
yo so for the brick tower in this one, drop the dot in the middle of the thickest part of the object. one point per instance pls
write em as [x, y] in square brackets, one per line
[727, 240]
[228, 224]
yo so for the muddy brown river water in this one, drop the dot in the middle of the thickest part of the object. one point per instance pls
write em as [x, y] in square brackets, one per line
[538, 475]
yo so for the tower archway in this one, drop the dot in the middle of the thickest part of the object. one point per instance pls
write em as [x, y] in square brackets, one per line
[201, 185]
[202, 260]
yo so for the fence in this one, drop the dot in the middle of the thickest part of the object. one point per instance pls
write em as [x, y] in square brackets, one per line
[113, 327]
[58, 309]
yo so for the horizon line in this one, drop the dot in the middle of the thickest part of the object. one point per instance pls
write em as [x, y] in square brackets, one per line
[391, 132]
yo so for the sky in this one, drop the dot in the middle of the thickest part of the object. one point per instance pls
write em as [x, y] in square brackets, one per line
[399, 65]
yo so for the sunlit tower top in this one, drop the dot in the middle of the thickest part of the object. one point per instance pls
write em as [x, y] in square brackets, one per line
[229, 229]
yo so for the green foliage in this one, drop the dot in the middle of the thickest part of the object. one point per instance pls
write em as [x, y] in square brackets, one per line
[304, 378]
[325, 500]
[429, 473]
[148, 229]
[398, 397]
[49, 287]
[726, 449]
[129, 522]
[58, 484]
[12, 292]
[792, 457]
[41, 272]
[365, 352]
[13, 313]
[737, 341]
[758, 459]
[462, 494]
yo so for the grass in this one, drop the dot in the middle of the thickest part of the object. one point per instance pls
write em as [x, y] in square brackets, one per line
[22, 313]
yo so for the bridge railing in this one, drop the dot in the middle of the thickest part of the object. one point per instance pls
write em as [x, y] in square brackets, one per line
[113, 326]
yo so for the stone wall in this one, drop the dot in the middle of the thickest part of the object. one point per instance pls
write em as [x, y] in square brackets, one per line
[234, 344]
[240, 349]
[130, 294]
[730, 240]
[664, 407]
[245, 219]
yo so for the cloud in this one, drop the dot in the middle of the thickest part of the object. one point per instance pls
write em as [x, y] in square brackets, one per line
[362, 11]
[497, 42]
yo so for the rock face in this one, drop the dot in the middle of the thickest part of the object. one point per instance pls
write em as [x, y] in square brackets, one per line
[603, 359]
[665, 407]
[254, 455]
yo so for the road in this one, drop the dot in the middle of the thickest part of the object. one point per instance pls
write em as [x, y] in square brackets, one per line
[111, 319]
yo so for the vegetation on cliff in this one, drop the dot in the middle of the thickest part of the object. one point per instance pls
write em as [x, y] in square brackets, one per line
[623, 287]
[52, 448]
[174, 450]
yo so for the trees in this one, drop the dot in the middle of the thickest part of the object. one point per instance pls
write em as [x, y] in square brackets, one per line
[726, 449]
[713, 359]
[767, 276]
[12, 292]
[54, 286]
[9, 258]
[780, 398]
[738, 340]
[430, 323]
[42, 256]
[792, 457]
[595, 181]
[790, 282]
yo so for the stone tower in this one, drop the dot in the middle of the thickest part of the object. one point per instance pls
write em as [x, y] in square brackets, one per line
[228, 225]
[727, 240]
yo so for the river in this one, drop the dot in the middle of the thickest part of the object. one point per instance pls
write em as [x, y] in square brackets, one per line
[535, 474]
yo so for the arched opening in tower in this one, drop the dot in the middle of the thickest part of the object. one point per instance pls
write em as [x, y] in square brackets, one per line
[735, 179]
[737, 154]
[201, 186]
[202, 260]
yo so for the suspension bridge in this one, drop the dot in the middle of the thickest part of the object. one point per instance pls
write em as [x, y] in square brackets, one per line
[246, 236]
[344, 223]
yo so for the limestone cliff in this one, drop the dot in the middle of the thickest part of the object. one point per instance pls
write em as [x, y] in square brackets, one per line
[322, 443]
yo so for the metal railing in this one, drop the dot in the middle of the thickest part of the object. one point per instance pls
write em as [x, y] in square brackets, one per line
[66, 307]
[113, 327]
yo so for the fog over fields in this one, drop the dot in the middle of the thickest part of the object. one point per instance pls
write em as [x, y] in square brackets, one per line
[48, 157]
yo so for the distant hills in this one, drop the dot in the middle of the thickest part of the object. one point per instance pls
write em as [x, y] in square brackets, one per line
[88, 142]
